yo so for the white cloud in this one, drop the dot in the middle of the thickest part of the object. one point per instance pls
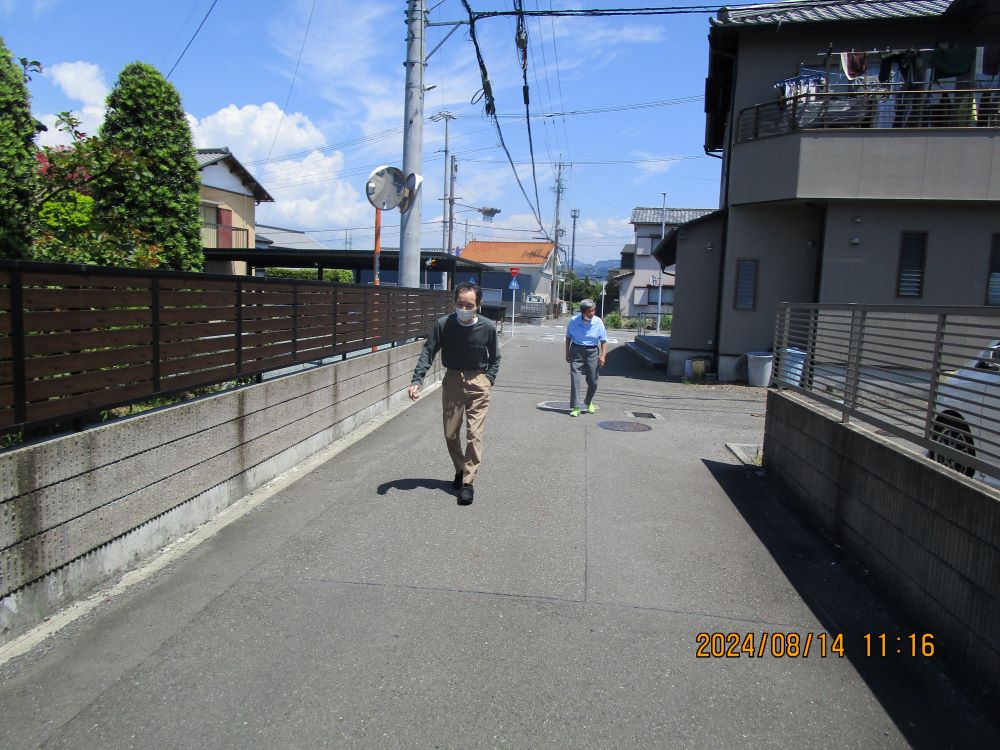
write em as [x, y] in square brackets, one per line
[36, 6]
[80, 82]
[310, 191]
[652, 167]
[249, 131]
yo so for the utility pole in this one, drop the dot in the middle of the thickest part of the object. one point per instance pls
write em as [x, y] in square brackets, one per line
[659, 276]
[555, 261]
[451, 204]
[445, 226]
[413, 142]
[575, 213]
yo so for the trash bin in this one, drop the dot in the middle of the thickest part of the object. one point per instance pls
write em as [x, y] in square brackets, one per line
[792, 364]
[759, 366]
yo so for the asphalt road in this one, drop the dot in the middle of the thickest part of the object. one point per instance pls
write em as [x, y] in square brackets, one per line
[359, 606]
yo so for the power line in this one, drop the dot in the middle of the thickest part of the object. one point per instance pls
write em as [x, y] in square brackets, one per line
[521, 39]
[291, 84]
[669, 10]
[184, 51]
[555, 53]
[606, 161]
[615, 108]
[490, 107]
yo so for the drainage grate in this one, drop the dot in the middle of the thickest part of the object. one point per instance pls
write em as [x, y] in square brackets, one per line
[643, 415]
[624, 426]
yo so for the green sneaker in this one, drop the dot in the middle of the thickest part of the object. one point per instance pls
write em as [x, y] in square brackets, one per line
[574, 412]
[591, 408]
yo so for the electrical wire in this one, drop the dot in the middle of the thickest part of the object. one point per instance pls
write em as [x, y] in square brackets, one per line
[672, 10]
[521, 40]
[291, 84]
[487, 94]
[184, 51]
[555, 53]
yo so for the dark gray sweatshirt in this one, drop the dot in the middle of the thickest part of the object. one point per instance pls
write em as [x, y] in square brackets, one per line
[474, 347]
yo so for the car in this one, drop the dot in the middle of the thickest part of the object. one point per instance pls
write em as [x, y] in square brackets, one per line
[967, 415]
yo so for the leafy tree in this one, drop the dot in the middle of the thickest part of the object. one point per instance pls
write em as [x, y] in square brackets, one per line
[581, 288]
[18, 169]
[155, 196]
[67, 231]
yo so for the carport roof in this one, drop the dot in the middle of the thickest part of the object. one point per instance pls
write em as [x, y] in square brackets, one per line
[349, 259]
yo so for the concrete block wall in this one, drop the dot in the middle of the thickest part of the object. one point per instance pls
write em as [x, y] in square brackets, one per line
[928, 535]
[80, 509]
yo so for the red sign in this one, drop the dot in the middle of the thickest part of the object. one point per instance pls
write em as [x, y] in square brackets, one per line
[514, 271]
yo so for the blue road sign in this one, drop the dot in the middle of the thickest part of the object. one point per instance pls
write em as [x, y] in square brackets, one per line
[513, 284]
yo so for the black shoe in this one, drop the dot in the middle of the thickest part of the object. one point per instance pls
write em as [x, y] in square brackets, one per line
[465, 496]
[457, 482]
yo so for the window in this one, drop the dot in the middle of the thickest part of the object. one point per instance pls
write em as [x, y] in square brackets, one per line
[746, 285]
[628, 261]
[993, 280]
[912, 254]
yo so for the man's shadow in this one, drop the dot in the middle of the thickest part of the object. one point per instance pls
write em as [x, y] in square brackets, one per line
[412, 484]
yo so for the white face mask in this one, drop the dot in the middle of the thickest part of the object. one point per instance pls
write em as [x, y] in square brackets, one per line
[464, 316]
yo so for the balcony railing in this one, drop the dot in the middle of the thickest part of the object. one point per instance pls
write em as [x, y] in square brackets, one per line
[224, 236]
[882, 110]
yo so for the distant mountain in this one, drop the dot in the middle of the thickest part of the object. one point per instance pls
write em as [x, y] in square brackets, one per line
[598, 270]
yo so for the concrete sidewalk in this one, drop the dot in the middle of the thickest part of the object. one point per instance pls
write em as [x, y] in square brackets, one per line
[360, 606]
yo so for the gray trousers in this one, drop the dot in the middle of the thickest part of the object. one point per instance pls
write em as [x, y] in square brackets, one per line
[582, 361]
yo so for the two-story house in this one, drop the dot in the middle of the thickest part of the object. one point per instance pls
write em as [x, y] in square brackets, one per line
[861, 163]
[229, 198]
[642, 278]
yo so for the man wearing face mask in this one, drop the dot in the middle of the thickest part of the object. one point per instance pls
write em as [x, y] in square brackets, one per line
[586, 350]
[470, 351]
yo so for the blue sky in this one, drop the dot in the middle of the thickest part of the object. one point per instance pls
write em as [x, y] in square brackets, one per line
[344, 110]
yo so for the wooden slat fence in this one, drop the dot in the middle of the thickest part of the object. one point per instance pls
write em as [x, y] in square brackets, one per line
[75, 340]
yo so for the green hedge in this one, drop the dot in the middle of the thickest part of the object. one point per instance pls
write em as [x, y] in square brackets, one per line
[308, 274]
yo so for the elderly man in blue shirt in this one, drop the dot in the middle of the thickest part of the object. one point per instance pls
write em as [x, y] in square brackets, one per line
[586, 350]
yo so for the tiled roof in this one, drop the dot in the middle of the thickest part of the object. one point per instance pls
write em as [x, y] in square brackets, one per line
[828, 11]
[514, 253]
[209, 156]
[674, 215]
[628, 249]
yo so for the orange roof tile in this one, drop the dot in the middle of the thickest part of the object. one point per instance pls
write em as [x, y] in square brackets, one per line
[512, 253]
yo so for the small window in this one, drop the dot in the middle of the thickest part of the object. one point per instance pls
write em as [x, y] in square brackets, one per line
[993, 280]
[746, 284]
[912, 254]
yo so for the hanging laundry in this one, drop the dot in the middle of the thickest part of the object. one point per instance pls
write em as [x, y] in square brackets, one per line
[913, 67]
[889, 59]
[801, 86]
[955, 61]
[854, 64]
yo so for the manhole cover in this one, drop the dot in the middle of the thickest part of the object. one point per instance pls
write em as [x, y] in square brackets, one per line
[624, 426]
[554, 405]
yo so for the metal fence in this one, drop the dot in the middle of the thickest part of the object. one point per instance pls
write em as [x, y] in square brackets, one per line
[930, 375]
[75, 340]
[959, 108]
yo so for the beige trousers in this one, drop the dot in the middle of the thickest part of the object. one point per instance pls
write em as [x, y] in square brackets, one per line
[465, 393]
